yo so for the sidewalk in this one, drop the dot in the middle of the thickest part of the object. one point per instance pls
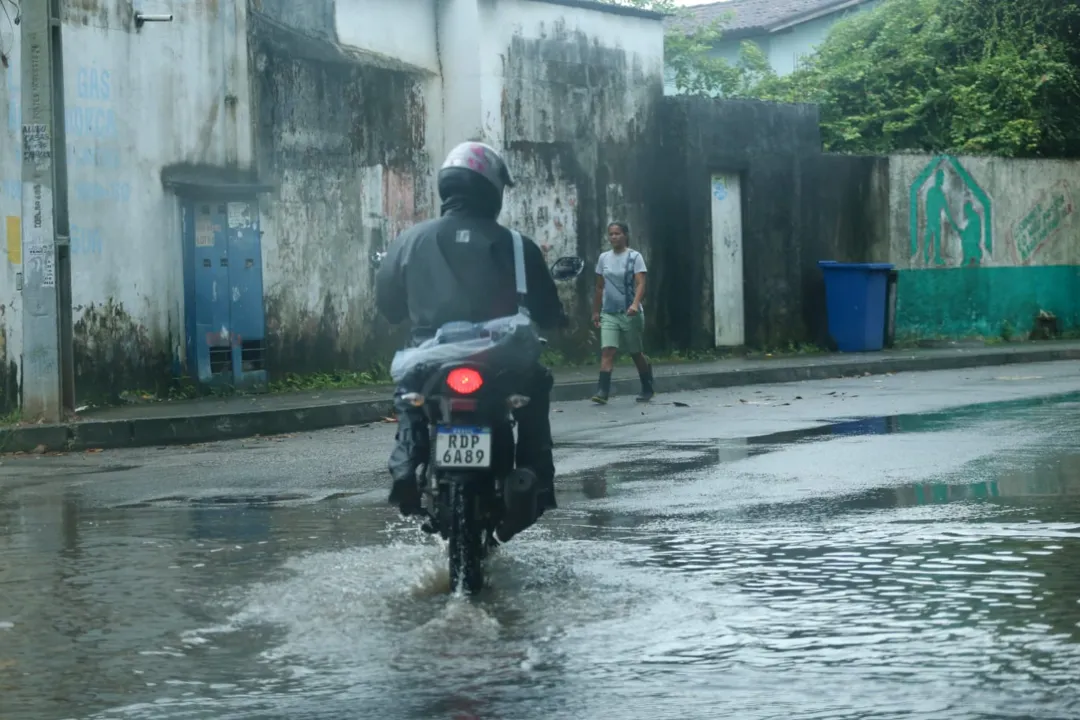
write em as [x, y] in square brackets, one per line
[211, 419]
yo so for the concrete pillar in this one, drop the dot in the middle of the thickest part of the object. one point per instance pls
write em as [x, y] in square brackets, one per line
[459, 37]
[41, 361]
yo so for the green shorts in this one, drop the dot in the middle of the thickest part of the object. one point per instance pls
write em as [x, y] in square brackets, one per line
[623, 332]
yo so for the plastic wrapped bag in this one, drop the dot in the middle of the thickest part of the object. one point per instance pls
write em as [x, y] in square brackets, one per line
[508, 343]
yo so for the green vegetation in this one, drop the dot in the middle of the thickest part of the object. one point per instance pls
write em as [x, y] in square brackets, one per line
[997, 77]
[339, 380]
[186, 389]
[12, 418]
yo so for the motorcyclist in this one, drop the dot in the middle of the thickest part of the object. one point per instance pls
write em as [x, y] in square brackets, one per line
[460, 267]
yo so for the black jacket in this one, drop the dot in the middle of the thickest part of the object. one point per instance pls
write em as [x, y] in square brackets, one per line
[460, 267]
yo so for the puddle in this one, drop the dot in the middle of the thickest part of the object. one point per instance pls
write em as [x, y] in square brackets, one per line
[928, 566]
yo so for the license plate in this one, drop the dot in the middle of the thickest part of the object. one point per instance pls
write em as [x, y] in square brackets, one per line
[463, 447]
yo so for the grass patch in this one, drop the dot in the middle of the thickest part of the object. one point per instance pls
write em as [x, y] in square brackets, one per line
[186, 389]
[791, 349]
[13, 417]
[339, 380]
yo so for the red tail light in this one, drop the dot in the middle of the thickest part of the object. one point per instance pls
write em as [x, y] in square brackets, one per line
[464, 381]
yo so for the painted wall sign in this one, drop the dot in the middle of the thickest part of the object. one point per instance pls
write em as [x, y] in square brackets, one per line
[951, 217]
[1043, 222]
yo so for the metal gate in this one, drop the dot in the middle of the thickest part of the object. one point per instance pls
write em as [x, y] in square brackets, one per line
[224, 316]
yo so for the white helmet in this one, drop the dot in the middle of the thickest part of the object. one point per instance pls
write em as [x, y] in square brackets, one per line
[482, 159]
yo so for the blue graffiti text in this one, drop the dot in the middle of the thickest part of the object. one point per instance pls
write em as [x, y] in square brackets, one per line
[86, 241]
[94, 156]
[93, 84]
[93, 192]
[90, 122]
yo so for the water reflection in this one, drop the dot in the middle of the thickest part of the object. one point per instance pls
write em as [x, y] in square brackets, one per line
[1038, 477]
[594, 485]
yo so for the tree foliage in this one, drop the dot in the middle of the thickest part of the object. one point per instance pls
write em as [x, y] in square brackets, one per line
[971, 76]
[968, 76]
[688, 54]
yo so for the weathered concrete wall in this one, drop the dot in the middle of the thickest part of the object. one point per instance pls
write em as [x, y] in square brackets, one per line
[313, 18]
[845, 217]
[984, 244]
[572, 92]
[343, 141]
[767, 145]
[353, 127]
[129, 113]
[351, 104]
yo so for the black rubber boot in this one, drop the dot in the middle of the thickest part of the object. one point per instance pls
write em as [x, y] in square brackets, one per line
[535, 446]
[647, 391]
[522, 504]
[410, 452]
[603, 391]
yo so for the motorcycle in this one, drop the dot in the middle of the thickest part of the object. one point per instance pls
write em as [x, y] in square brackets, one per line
[470, 485]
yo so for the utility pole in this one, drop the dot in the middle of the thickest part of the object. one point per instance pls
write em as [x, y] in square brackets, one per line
[47, 362]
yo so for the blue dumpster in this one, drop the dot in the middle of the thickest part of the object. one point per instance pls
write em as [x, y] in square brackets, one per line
[855, 298]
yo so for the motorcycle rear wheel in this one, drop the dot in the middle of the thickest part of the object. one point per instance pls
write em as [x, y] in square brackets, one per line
[467, 542]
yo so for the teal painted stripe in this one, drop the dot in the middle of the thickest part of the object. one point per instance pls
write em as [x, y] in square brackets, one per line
[971, 301]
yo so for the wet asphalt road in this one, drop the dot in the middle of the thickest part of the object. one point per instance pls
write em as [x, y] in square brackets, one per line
[896, 547]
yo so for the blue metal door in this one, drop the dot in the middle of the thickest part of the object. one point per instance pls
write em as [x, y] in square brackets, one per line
[246, 293]
[212, 353]
[225, 322]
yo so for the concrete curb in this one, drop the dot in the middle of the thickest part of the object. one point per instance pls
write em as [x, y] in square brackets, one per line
[228, 426]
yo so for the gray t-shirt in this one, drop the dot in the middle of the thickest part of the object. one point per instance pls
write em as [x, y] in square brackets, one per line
[618, 271]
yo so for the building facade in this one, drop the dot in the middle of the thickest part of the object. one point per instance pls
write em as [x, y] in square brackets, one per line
[786, 31]
[232, 172]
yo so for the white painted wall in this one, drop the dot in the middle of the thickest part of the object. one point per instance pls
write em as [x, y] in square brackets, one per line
[10, 202]
[462, 72]
[788, 48]
[399, 31]
[136, 101]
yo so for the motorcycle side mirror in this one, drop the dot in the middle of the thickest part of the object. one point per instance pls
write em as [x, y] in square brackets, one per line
[567, 268]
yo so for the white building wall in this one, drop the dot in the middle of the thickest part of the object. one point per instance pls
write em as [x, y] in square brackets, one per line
[10, 220]
[137, 100]
[569, 89]
[398, 32]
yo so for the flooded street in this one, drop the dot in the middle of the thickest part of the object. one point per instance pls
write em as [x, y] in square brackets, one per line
[899, 547]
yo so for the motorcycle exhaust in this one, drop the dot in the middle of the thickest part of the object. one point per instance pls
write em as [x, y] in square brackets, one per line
[520, 496]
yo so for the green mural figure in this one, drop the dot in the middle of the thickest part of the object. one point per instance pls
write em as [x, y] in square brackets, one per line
[936, 205]
[971, 236]
[931, 215]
